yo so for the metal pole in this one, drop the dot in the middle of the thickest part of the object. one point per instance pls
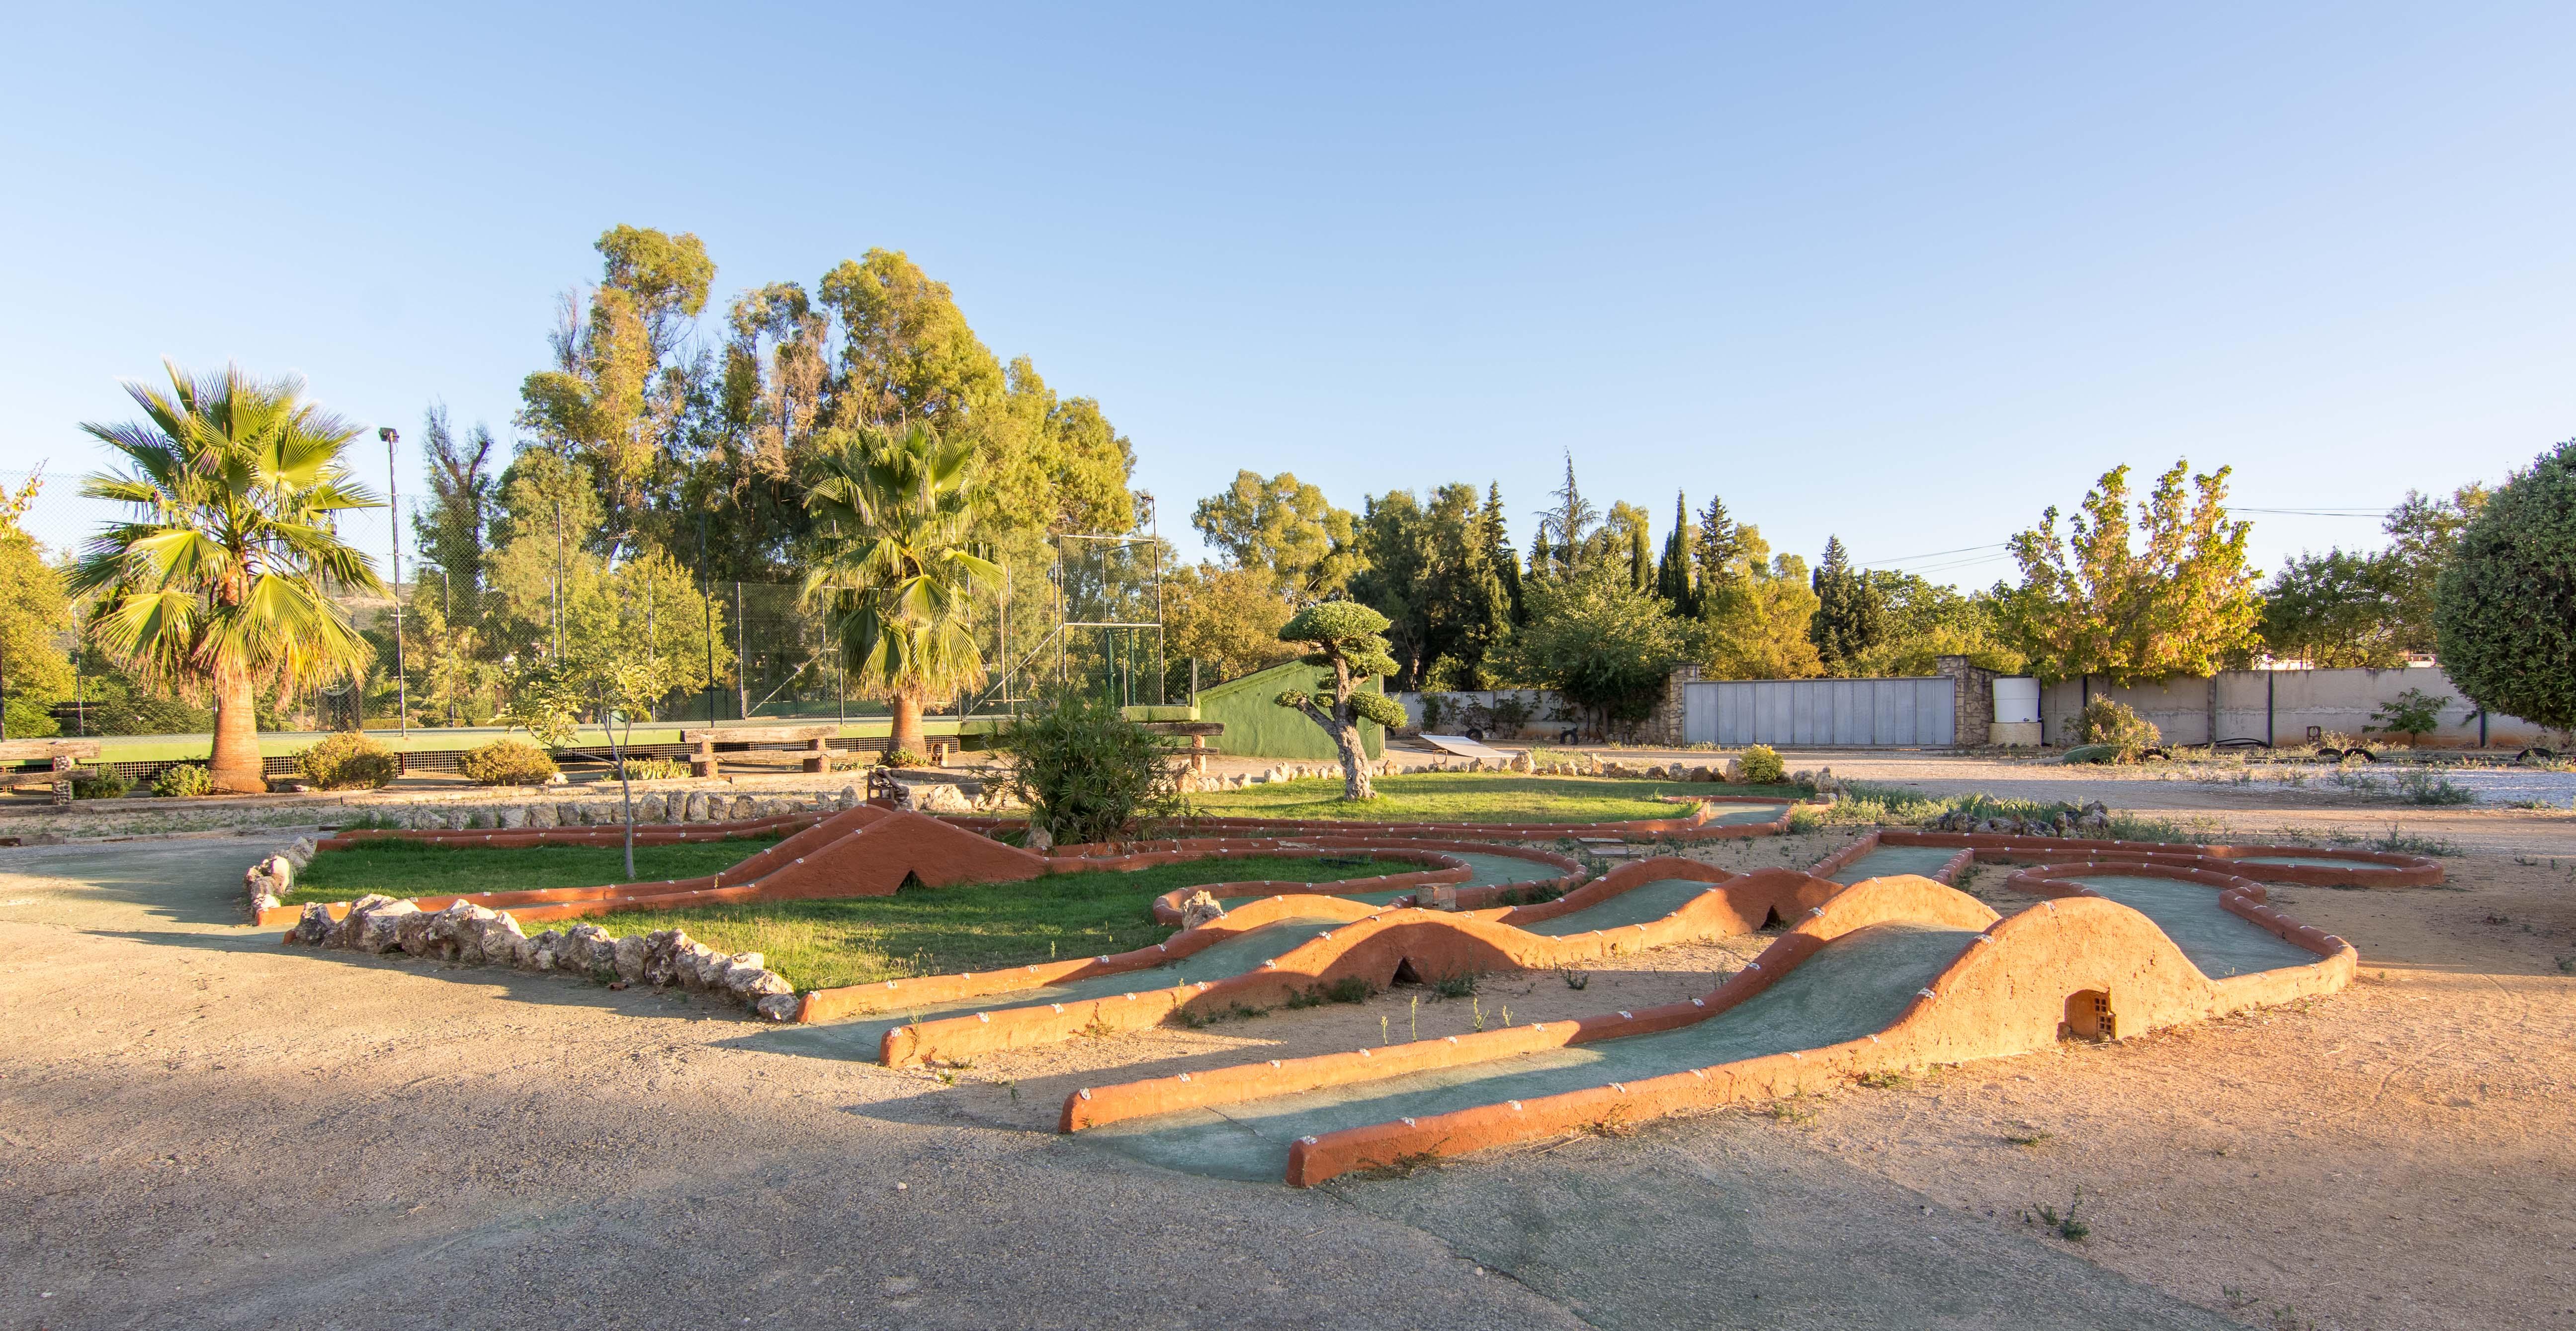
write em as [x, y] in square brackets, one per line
[393, 512]
[559, 577]
[741, 656]
[707, 599]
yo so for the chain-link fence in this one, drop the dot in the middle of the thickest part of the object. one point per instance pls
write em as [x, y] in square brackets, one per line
[1071, 614]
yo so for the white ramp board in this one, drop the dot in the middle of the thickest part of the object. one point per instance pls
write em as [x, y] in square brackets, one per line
[1467, 748]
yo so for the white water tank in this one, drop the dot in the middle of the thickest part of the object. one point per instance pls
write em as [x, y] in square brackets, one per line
[2017, 700]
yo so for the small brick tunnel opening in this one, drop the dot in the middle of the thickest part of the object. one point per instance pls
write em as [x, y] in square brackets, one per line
[1405, 973]
[2089, 1017]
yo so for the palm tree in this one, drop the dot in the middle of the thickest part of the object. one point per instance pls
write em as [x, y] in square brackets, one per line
[219, 584]
[894, 513]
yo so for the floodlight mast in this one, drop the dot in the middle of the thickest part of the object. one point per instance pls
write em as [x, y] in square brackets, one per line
[393, 510]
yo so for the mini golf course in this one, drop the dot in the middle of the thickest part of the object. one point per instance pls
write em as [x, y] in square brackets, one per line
[1883, 966]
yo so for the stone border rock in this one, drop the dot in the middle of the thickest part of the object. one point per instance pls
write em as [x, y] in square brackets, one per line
[472, 935]
[270, 879]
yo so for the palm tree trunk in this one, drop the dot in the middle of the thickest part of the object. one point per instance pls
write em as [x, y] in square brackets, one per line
[235, 764]
[907, 725]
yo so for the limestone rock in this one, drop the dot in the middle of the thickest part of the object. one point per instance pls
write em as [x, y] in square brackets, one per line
[315, 927]
[778, 1007]
[661, 956]
[379, 928]
[587, 949]
[627, 955]
[1201, 907]
[1734, 772]
[542, 952]
[541, 815]
[849, 797]
[1040, 840]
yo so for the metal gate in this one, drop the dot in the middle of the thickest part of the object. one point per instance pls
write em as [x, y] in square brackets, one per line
[1917, 712]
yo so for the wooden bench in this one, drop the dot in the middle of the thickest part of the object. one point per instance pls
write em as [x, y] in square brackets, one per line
[59, 755]
[816, 740]
[1198, 731]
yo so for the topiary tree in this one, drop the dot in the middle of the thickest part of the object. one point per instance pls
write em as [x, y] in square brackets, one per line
[2504, 610]
[1349, 639]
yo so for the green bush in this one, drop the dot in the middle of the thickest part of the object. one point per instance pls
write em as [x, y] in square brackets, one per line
[902, 758]
[349, 760]
[186, 781]
[1761, 766]
[99, 784]
[506, 762]
[655, 769]
[1086, 771]
[2093, 753]
[2414, 712]
[2504, 610]
[2108, 721]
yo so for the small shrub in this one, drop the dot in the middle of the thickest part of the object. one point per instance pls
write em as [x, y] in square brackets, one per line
[348, 760]
[1349, 989]
[2414, 712]
[2424, 787]
[902, 758]
[506, 762]
[1761, 766]
[99, 784]
[2110, 721]
[186, 781]
[1455, 986]
[1086, 771]
[2089, 754]
[1574, 979]
[655, 769]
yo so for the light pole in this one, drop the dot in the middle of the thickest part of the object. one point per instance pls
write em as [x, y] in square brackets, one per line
[393, 510]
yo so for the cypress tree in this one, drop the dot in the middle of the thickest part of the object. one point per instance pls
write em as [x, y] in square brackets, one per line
[1673, 572]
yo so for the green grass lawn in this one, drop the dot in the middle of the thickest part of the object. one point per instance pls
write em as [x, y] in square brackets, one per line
[936, 930]
[402, 869]
[1473, 797]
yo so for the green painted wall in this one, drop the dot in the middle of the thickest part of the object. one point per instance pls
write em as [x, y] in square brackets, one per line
[1258, 727]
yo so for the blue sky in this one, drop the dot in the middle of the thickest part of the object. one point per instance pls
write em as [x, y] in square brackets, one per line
[1902, 275]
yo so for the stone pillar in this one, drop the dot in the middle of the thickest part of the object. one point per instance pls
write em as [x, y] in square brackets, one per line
[1663, 726]
[1973, 698]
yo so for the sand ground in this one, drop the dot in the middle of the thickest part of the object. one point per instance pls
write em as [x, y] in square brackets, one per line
[200, 1128]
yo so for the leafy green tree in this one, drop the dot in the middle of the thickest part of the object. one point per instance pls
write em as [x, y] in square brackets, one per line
[1627, 539]
[2171, 596]
[1753, 623]
[616, 398]
[221, 582]
[2335, 610]
[612, 672]
[1347, 639]
[1430, 570]
[1226, 619]
[2505, 605]
[907, 354]
[2413, 713]
[897, 568]
[1286, 527]
[2423, 531]
[34, 618]
[1850, 619]
[1601, 642]
[1926, 621]
[451, 532]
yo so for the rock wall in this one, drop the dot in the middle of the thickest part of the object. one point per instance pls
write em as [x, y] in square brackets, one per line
[473, 935]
